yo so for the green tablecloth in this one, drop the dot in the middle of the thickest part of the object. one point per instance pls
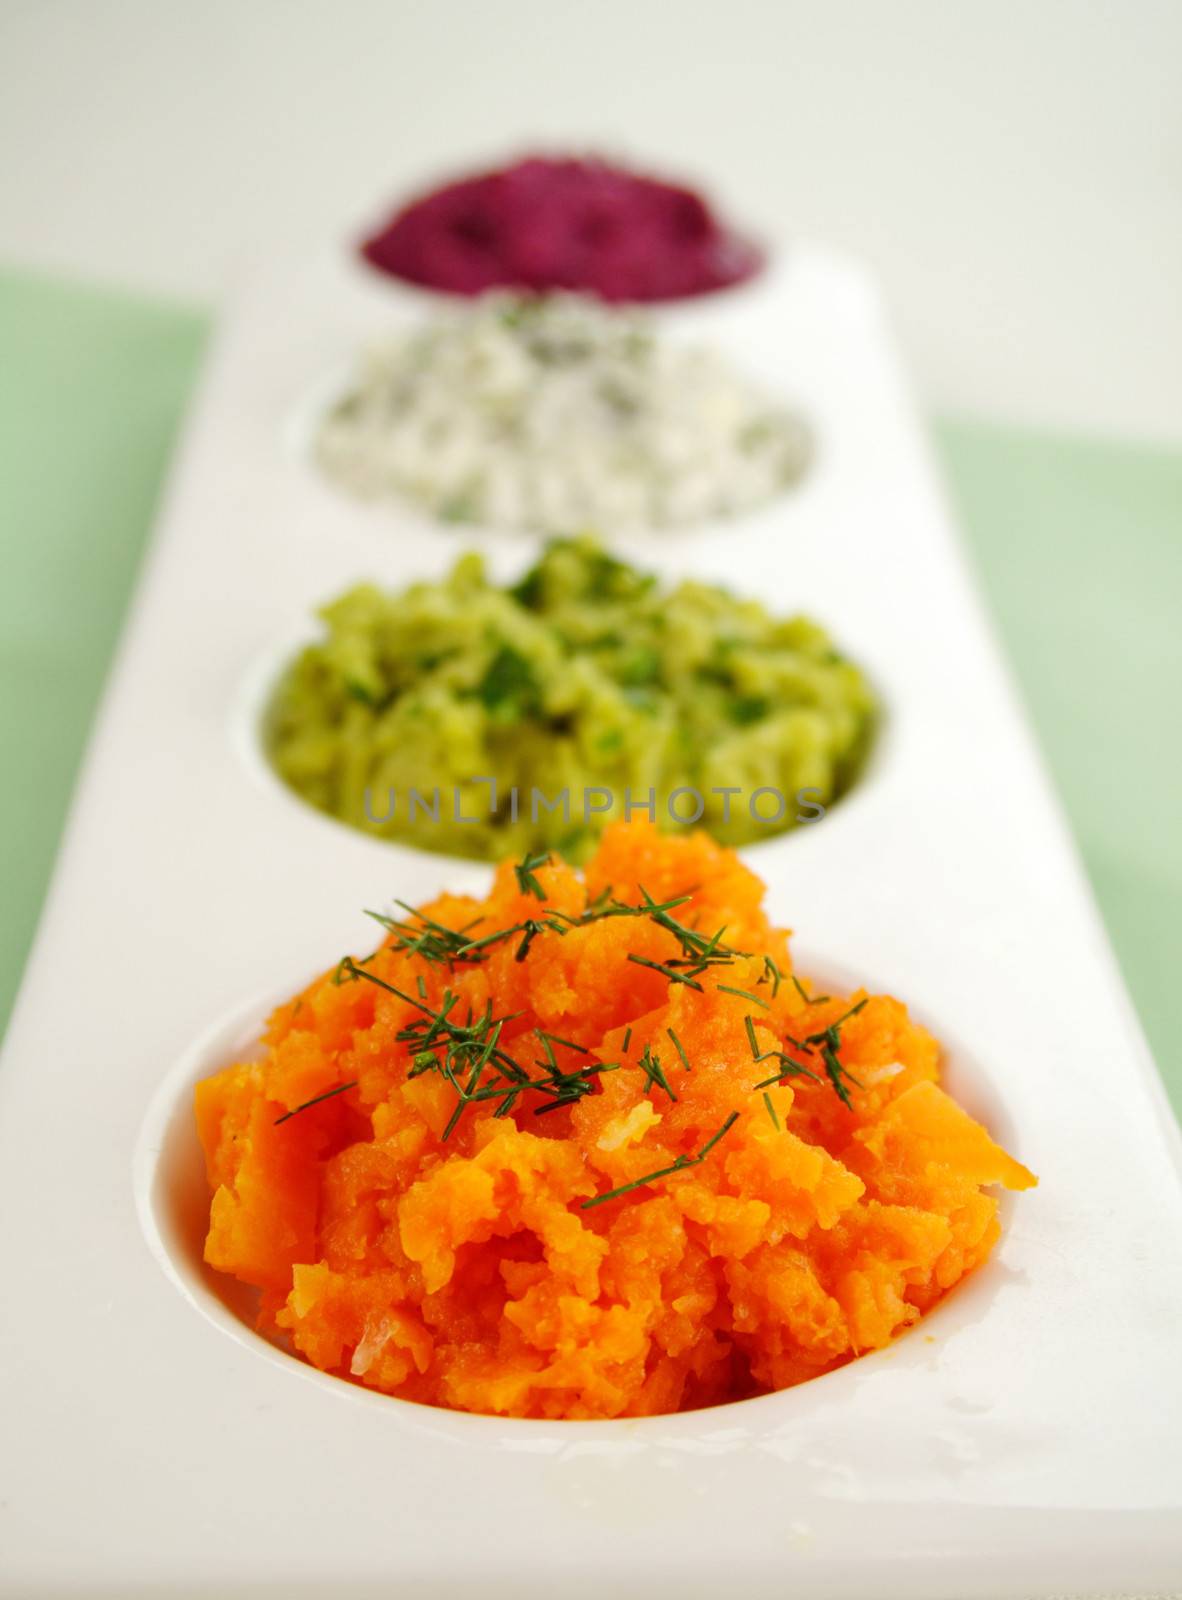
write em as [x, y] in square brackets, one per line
[1079, 545]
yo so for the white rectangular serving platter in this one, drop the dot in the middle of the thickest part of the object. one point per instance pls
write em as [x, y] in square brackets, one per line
[1022, 1441]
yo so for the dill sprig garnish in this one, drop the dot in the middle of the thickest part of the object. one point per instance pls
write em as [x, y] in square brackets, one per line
[469, 948]
[809, 999]
[816, 1038]
[605, 906]
[667, 971]
[680, 1048]
[745, 994]
[568, 1043]
[532, 927]
[565, 1087]
[437, 944]
[771, 974]
[471, 1056]
[826, 1043]
[315, 1101]
[788, 1067]
[838, 1076]
[524, 873]
[693, 944]
[441, 945]
[680, 1165]
[650, 1065]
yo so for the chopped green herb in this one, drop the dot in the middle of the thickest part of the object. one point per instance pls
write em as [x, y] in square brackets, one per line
[524, 872]
[315, 1101]
[680, 1048]
[532, 929]
[744, 994]
[772, 974]
[666, 971]
[679, 1165]
[650, 1065]
[838, 1076]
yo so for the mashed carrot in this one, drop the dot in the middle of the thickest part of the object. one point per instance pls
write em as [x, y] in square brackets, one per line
[588, 1148]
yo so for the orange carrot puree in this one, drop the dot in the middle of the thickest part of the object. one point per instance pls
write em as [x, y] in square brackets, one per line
[428, 1232]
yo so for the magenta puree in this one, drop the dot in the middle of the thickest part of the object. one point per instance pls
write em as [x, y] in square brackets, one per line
[563, 223]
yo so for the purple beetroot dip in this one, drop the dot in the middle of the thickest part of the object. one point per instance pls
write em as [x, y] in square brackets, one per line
[563, 223]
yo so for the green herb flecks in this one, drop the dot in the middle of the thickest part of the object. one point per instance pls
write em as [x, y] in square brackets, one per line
[744, 994]
[789, 1067]
[471, 1057]
[824, 1044]
[650, 1065]
[680, 1048]
[666, 971]
[680, 1165]
[772, 975]
[470, 1054]
[315, 1101]
[437, 944]
[524, 873]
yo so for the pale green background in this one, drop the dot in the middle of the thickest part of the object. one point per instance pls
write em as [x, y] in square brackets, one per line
[1078, 544]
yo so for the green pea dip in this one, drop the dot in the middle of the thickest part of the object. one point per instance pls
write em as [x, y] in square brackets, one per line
[486, 721]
